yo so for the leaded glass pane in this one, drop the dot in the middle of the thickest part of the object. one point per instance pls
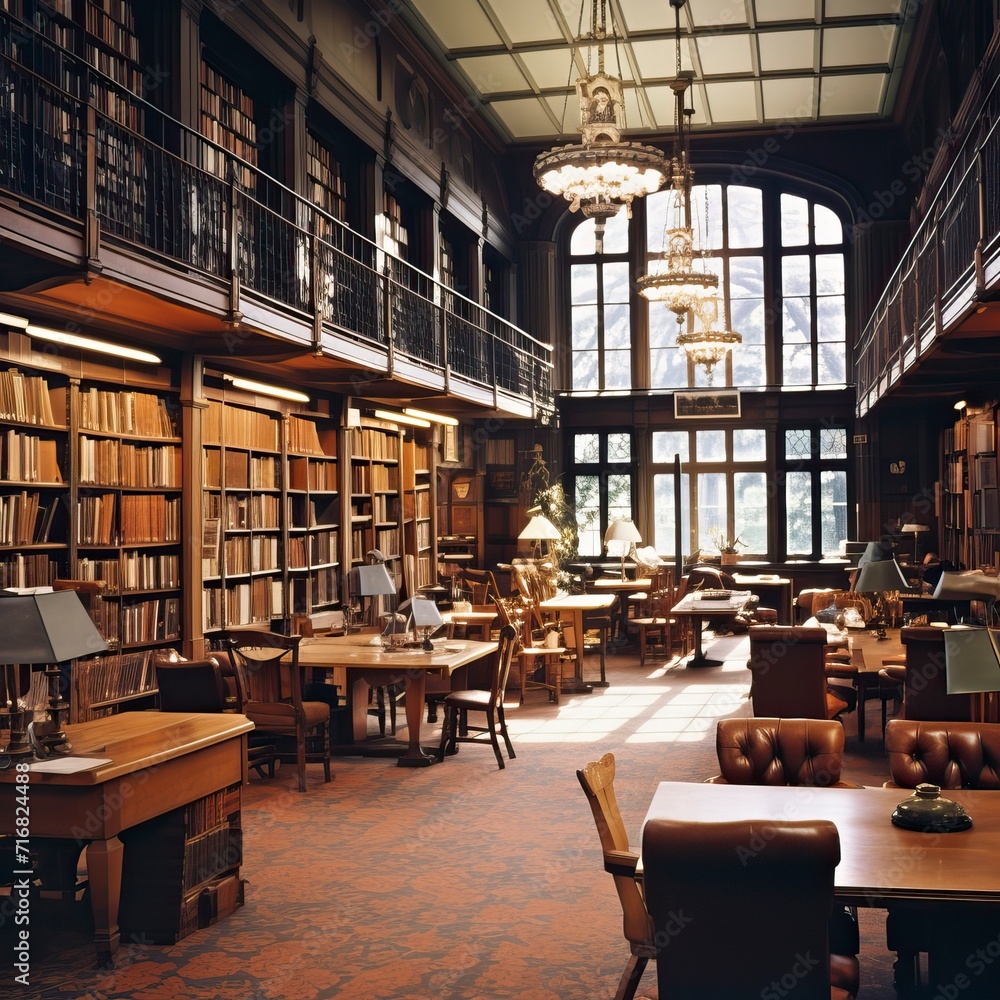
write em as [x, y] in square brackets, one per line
[583, 241]
[796, 365]
[796, 321]
[798, 444]
[750, 510]
[586, 448]
[828, 228]
[588, 511]
[617, 369]
[749, 365]
[666, 444]
[749, 444]
[833, 512]
[616, 282]
[794, 221]
[583, 283]
[833, 442]
[798, 512]
[746, 276]
[668, 368]
[746, 216]
[831, 323]
[710, 446]
[619, 447]
[616, 234]
[585, 370]
[711, 509]
[619, 496]
[748, 319]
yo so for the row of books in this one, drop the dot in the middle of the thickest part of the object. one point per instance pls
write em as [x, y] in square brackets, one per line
[26, 458]
[144, 518]
[326, 186]
[370, 442]
[260, 512]
[250, 553]
[20, 570]
[24, 520]
[238, 427]
[211, 811]
[107, 678]
[30, 400]
[216, 83]
[151, 621]
[209, 853]
[303, 438]
[387, 541]
[133, 571]
[253, 603]
[317, 477]
[314, 550]
[142, 414]
[109, 462]
[113, 32]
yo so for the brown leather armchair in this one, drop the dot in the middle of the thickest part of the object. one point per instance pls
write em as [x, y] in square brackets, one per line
[770, 906]
[925, 690]
[949, 754]
[789, 676]
[780, 752]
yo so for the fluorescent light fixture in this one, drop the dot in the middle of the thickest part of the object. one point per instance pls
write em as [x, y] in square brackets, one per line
[434, 418]
[400, 418]
[264, 389]
[7, 319]
[91, 344]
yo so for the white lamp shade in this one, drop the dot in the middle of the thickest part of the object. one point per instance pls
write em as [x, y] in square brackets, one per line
[622, 529]
[971, 662]
[911, 529]
[423, 611]
[373, 580]
[539, 529]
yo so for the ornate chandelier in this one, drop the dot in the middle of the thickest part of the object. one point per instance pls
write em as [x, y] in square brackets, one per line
[672, 278]
[600, 174]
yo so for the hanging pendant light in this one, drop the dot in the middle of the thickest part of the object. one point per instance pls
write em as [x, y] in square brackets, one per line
[672, 278]
[600, 174]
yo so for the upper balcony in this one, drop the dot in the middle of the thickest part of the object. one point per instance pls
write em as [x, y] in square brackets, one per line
[934, 330]
[111, 210]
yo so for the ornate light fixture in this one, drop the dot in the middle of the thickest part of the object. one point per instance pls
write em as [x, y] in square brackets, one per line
[672, 278]
[600, 174]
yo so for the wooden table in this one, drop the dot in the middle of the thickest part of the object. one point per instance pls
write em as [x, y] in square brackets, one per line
[948, 874]
[575, 606]
[368, 664]
[772, 590]
[699, 609]
[160, 761]
[481, 621]
[621, 589]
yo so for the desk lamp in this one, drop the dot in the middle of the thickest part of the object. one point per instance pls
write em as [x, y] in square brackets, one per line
[969, 585]
[912, 528]
[47, 628]
[538, 529]
[372, 579]
[972, 664]
[423, 614]
[879, 577]
[621, 536]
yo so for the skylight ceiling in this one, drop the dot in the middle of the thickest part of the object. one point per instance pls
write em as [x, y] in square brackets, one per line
[756, 62]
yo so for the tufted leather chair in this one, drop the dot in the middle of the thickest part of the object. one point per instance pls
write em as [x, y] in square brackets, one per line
[769, 907]
[788, 671]
[952, 755]
[949, 754]
[780, 752]
[925, 689]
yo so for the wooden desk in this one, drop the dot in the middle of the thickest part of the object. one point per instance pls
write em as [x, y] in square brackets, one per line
[481, 621]
[699, 609]
[879, 862]
[622, 589]
[774, 591]
[160, 761]
[368, 664]
[575, 606]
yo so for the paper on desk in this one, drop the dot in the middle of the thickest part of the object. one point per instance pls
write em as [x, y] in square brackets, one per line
[67, 765]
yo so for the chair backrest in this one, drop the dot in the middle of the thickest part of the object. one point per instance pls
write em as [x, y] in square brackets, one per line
[502, 662]
[267, 666]
[788, 673]
[597, 780]
[709, 578]
[480, 584]
[780, 751]
[951, 754]
[925, 688]
[738, 906]
[190, 685]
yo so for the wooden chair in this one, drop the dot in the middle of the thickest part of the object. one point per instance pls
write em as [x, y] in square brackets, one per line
[458, 704]
[270, 690]
[540, 666]
[752, 912]
[597, 780]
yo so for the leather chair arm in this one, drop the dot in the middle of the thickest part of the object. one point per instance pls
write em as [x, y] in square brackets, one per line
[621, 863]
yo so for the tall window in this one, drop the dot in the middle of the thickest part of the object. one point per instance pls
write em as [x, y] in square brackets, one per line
[815, 475]
[723, 489]
[601, 339]
[602, 484]
[813, 319]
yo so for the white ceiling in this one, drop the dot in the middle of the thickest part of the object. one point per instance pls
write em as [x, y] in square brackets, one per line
[755, 62]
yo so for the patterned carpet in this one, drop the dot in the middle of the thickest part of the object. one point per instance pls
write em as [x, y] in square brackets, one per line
[455, 881]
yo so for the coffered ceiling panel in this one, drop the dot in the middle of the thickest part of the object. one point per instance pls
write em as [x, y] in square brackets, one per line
[755, 62]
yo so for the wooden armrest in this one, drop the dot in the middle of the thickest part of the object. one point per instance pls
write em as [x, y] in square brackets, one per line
[621, 863]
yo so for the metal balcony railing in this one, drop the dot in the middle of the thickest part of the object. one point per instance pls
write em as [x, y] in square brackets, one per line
[941, 273]
[81, 148]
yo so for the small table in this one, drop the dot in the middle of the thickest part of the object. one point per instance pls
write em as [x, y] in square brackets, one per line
[771, 590]
[698, 608]
[369, 664]
[576, 606]
[621, 588]
[160, 761]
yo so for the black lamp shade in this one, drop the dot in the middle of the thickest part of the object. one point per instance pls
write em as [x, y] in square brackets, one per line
[880, 576]
[46, 628]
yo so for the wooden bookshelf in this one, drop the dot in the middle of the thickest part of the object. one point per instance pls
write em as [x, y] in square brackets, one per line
[313, 515]
[419, 533]
[325, 181]
[242, 517]
[227, 119]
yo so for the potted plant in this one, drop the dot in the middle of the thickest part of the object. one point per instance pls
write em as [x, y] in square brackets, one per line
[729, 548]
